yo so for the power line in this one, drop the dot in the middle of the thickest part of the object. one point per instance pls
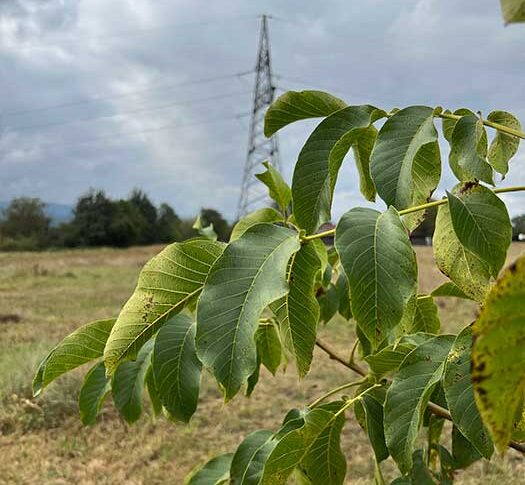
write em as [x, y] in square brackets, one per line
[131, 93]
[140, 110]
[126, 33]
[140, 132]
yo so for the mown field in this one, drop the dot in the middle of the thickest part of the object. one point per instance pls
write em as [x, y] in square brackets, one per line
[44, 296]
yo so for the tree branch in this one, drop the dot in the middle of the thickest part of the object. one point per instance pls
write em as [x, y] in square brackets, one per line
[434, 408]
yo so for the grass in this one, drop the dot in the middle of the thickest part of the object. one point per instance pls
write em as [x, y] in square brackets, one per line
[42, 441]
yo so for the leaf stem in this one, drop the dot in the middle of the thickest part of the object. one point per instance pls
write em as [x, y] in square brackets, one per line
[331, 392]
[417, 208]
[496, 126]
[434, 408]
[348, 403]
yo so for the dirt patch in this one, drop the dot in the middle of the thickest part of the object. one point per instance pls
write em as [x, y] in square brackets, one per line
[10, 318]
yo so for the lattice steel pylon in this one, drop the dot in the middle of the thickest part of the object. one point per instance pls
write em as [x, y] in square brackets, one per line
[260, 148]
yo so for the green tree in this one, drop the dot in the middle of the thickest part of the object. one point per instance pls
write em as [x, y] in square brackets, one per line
[147, 233]
[220, 225]
[25, 218]
[168, 225]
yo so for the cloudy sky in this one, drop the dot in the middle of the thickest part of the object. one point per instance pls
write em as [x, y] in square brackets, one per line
[135, 93]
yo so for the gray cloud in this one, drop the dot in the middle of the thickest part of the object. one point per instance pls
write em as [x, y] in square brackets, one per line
[388, 53]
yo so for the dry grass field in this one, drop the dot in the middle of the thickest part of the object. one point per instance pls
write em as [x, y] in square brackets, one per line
[43, 296]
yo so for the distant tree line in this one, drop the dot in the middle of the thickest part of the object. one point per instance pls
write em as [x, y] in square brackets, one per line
[101, 221]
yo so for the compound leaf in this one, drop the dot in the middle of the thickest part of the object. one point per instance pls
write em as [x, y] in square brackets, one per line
[503, 146]
[250, 274]
[470, 273]
[278, 188]
[85, 344]
[317, 167]
[298, 311]
[166, 284]
[94, 390]
[498, 354]
[381, 268]
[408, 396]
[127, 384]
[404, 168]
[299, 105]
[214, 472]
[460, 395]
[176, 368]
[481, 223]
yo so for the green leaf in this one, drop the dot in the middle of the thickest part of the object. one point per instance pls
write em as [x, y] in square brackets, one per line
[267, 214]
[369, 415]
[214, 472]
[328, 303]
[249, 459]
[449, 124]
[314, 447]
[504, 146]
[449, 289]
[127, 384]
[468, 150]
[318, 165]
[463, 453]
[361, 140]
[460, 395]
[498, 354]
[426, 318]
[250, 274]
[420, 474]
[85, 344]
[269, 346]
[389, 358]
[513, 11]
[166, 284]
[408, 396]
[253, 379]
[343, 294]
[381, 267]
[206, 231]
[467, 270]
[298, 311]
[481, 223]
[153, 391]
[299, 105]
[404, 168]
[176, 368]
[279, 190]
[92, 394]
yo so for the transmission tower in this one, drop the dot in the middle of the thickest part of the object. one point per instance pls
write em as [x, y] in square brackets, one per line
[260, 148]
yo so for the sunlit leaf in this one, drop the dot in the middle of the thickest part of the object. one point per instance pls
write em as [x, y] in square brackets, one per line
[316, 170]
[250, 274]
[405, 163]
[85, 344]
[94, 390]
[513, 10]
[266, 214]
[498, 354]
[381, 267]
[407, 397]
[460, 395]
[176, 368]
[299, 105]
[206, 231]
[166, 284]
